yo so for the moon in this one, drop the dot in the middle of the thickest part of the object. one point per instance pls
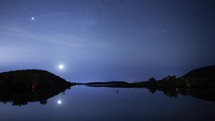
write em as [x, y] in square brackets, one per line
[60, 66]
[59, 102]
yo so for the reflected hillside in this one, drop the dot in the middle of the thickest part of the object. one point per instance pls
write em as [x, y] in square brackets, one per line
[23, 86]
[23, 97]
[201, 93]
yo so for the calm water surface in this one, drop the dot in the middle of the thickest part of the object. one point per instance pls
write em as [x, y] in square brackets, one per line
[82, 103]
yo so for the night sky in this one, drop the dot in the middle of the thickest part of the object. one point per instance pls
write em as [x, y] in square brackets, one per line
[107, 39]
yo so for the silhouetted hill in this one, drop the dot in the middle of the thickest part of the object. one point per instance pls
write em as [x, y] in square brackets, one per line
[204, 76]
[203, 73]
[29, 78]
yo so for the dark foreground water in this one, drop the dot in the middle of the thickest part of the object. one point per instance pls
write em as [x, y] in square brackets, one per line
[82, 103]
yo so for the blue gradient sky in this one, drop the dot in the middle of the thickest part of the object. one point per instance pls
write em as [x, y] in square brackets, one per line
[107, 39]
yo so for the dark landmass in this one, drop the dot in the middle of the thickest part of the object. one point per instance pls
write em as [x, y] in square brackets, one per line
[23, 86]
[204, 77]
[202, 73]
[198, 83]
[198, 78]
[108, 84]
[26, 78]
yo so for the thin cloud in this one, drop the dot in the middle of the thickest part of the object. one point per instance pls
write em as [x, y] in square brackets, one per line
[63, 40]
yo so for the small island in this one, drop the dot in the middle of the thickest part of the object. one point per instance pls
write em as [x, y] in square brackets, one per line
[23, 86]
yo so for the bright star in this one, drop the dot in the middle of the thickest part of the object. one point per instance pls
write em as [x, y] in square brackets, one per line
[32, 18]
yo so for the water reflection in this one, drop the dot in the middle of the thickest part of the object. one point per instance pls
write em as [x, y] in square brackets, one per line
[23, 97]
[205, 93]
[201, 93]
[59, 102]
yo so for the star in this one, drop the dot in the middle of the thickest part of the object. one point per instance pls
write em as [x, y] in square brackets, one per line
[32, 18]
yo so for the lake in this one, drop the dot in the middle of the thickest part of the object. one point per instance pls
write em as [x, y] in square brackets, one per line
[81, 103]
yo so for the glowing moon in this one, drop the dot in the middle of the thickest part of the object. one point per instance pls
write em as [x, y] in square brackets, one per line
[61, 66]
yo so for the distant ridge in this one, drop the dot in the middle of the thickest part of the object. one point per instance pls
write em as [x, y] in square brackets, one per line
[207, 72]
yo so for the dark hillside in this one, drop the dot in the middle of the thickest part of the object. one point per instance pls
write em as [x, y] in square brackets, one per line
[28, 78]
[203, 73]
